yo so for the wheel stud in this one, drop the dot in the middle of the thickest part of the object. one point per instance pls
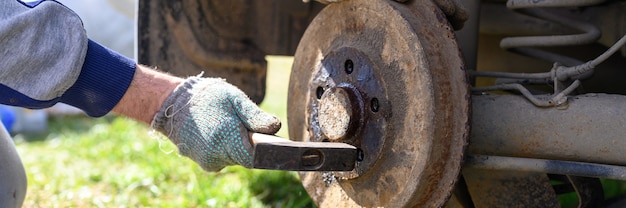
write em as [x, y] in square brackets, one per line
[374, 105]
[349, 66]
[319, 92]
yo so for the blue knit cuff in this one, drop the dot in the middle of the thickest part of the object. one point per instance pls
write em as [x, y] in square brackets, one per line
[103, 80]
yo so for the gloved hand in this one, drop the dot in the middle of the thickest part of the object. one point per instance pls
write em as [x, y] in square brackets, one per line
[209, 119]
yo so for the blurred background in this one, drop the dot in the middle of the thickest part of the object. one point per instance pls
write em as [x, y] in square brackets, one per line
[75, 161]
[108, 22]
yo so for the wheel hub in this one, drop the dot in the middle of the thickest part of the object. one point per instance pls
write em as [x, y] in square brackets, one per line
[387, 78]
[340, 112]
[349, 105]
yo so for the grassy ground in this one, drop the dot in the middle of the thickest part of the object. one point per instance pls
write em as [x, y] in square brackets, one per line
[116, 162]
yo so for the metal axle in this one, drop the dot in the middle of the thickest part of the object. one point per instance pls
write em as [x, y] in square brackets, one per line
[589, 128]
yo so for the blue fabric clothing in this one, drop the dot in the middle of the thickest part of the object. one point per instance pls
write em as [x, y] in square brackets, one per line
[46, 57]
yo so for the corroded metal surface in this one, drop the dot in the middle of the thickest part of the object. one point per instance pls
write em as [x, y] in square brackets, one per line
[405, 65]
[590, 128]
[577, 139]
[349, 73]
[340, 113]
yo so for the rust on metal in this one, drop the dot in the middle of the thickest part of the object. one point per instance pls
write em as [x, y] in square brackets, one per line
[508, 125]
[403, 61]
[340, 112]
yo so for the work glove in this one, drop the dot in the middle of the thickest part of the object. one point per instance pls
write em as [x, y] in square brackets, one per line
[454, 10]
[209, 119]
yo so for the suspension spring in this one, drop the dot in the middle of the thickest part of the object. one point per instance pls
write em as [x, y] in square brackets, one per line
[565, 69]
[525, 45]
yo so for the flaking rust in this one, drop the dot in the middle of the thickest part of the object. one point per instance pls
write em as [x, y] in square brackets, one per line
[328, 178]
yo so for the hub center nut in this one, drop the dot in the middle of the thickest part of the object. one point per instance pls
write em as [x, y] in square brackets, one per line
[340, 113]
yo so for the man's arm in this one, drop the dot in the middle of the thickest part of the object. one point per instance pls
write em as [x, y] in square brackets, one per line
[48, 60]
[146, 94]
[208, 119]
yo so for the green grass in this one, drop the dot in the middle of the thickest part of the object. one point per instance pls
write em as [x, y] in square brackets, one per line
[116, 162]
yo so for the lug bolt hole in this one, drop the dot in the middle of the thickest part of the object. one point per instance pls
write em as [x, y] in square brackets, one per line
[319, 92]
[349, 66]
[374, 106]
[360, 155]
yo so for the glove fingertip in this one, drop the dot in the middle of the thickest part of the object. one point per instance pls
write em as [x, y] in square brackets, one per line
[267, 124]
[255, 119]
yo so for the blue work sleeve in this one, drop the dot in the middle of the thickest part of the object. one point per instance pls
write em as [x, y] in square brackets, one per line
[46, 57]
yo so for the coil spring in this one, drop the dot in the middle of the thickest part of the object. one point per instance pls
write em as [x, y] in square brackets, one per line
[565, 69]
[524, 45]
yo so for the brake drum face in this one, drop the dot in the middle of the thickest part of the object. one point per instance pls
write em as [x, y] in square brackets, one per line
[387, 78]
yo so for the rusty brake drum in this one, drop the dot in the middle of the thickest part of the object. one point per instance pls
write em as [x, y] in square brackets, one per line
[387, 78]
